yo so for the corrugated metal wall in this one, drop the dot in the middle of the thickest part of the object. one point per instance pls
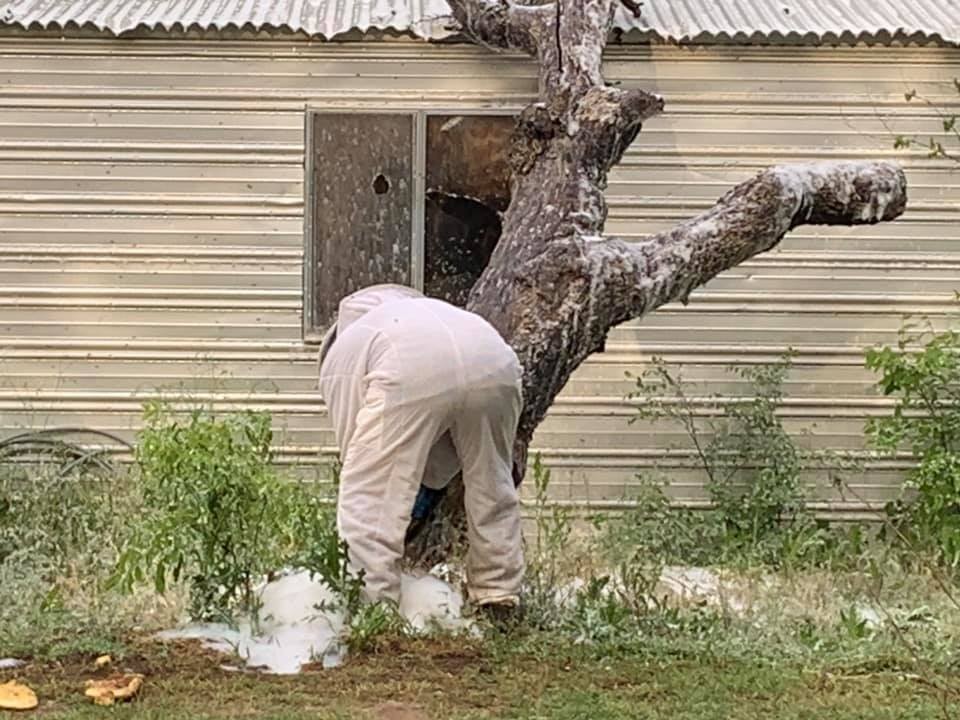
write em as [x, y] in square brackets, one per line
[151, 230]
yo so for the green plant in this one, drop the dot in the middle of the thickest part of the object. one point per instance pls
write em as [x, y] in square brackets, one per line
[319, 549]
[638, 543]
[853, 624]
[751, 463]
[949, 126]
[61, 524]
[51, 515]
[218, 516]
[371, 623]
[599, 615]
[553, 526]
[212, 508]
[923, 373]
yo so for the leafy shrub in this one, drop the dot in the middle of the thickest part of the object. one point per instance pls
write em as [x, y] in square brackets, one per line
[753, 469]
[923, 373]
[640, 542]
[210, 497]
[60, 529]
[218, 516]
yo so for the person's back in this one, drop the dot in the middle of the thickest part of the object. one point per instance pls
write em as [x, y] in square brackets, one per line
[403, 373]
[439, 347]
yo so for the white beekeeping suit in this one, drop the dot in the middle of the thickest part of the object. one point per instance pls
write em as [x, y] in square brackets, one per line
[418, 388]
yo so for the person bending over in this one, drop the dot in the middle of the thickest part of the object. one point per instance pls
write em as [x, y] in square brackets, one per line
[417, 390]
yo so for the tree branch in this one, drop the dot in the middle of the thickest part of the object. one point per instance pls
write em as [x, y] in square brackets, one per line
[571, 58]
[634, 278]
[633, 6]
[503, 24]
[610, 119]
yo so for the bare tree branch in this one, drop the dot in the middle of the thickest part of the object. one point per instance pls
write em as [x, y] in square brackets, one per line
[571, 56]
[504, 24]
[558, 302]
[611, 118]
[750, 219]
[633, 6]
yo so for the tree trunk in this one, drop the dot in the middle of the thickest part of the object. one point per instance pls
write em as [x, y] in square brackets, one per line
[555, 286]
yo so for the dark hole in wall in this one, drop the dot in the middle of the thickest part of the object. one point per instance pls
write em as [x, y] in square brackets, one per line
[468, 187]
[381, 185]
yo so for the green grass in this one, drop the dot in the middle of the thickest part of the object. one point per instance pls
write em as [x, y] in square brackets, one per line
[784, 643]
[539, 678]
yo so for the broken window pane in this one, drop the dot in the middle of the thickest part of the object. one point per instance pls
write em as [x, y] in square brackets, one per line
[467, 190]
[362, 205]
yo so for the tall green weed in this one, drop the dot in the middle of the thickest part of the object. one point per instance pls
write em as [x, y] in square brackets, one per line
[61, 526]
[922, 374]
[752, 466]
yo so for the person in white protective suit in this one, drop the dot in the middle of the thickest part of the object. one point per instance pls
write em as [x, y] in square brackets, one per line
[418, 389]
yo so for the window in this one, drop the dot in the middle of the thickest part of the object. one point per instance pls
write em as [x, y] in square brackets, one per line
[408, 197]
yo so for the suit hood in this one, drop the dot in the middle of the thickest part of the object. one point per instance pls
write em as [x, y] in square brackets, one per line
[356, 305]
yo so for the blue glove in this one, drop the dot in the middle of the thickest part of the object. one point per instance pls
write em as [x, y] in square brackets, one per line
[427, 500]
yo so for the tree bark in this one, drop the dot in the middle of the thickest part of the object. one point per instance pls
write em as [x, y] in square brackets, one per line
[555, 286]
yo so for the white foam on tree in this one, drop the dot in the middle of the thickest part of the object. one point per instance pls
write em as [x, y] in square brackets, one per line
[298, 624]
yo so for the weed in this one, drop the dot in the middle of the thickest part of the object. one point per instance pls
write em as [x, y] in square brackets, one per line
[638, 543]
[553, 525]
[923, 373]
[949, 126]
[318, 548]
[752, 467]
[598, 615]
[853, 623]
[371, 623]
[61, 525]
[545, 560]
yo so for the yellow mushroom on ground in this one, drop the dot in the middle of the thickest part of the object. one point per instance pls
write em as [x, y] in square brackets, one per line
[118, 687]
[17, 696]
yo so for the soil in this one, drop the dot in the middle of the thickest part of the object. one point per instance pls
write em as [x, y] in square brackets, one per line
[388, 681]
[459, 678]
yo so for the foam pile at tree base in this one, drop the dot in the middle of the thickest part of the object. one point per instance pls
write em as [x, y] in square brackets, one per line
[294, 632]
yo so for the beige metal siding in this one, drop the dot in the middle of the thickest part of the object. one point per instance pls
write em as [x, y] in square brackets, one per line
[151, 230]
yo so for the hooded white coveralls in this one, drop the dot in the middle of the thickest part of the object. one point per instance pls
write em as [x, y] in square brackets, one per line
[416, 389]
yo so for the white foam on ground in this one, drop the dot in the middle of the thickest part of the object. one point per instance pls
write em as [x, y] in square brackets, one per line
[677, 584]
[427, 601]
[10, 663]
[294, 630]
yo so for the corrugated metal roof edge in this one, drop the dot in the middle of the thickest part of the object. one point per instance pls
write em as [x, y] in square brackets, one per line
[883, 37]
[899, 37]
[228, 30]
